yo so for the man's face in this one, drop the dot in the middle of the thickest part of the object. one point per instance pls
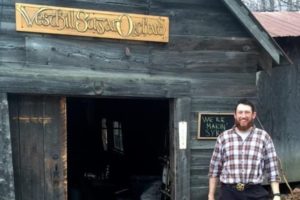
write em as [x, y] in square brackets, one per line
[244, 117]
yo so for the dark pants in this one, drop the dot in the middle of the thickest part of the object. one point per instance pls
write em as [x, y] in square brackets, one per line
[253, 192]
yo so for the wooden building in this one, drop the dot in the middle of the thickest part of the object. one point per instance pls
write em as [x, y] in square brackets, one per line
[88, 117]
[279, 92]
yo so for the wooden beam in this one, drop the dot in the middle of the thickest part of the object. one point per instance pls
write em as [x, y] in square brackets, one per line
[180, 157]
[16, 78]
[7, 190]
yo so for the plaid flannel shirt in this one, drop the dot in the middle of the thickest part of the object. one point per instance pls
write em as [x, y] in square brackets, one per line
[238, 161]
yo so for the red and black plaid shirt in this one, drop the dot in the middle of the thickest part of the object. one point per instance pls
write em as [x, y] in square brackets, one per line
[235, 160]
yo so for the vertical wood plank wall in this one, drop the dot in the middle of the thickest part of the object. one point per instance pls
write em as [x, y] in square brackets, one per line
[279, 96]
[210, 55]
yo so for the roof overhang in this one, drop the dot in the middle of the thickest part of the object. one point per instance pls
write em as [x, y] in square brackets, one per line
[244, 15]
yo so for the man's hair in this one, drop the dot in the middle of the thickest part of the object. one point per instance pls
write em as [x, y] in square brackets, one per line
[245, 102]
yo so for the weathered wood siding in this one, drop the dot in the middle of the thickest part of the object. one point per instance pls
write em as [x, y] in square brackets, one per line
[279, 97]
[210, 58]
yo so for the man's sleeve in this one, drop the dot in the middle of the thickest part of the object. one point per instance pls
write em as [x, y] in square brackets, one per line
[215, 166]
[271, 162]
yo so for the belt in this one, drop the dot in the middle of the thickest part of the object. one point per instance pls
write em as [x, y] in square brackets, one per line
[241, 186]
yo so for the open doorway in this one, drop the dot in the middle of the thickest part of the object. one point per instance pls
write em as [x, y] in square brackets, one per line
[116, 148]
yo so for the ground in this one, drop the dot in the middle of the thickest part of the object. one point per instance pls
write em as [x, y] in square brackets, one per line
[294, 196]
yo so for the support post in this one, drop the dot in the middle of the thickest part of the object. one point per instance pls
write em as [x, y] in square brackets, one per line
[7, 191]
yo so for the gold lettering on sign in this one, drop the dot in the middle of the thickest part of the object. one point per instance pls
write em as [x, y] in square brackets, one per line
[70, 21]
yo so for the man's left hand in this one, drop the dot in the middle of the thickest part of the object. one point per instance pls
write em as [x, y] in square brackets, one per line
[276, 198]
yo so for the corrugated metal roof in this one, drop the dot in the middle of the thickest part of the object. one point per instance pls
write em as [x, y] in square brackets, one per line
[280, 24]
[245, 16]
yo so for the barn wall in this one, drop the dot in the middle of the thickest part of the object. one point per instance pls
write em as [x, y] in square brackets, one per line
[210, 58]
[279, 96]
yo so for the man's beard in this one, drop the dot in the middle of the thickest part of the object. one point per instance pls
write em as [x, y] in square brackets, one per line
[244, 128]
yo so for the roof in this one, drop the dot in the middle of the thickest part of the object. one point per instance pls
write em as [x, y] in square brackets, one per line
[280, 24]
[244, 15]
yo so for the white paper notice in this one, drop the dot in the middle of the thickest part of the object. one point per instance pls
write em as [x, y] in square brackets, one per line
[182, 134]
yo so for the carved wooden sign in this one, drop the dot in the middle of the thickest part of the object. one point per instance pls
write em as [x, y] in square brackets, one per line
[90, 23]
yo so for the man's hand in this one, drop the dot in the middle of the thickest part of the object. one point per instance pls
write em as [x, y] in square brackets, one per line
[213, 181]
[212, 197]
[275, 190]
[276, 198]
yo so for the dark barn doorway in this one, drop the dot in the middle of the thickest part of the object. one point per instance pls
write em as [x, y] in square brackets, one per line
[116, 148]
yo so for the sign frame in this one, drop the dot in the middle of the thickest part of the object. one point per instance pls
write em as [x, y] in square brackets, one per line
[200, 135]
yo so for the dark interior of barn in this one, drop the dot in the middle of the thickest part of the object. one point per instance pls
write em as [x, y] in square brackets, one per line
[116, 148]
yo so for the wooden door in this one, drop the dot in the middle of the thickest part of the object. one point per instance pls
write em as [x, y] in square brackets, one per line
[38, 130]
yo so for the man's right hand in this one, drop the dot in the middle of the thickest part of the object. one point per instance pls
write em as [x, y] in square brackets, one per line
[211, 197]
[213, 181]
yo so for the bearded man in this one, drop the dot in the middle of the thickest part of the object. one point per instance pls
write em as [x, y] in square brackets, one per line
[241, 157]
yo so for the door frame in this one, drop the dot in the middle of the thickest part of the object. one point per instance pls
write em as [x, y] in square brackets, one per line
[7, 186]
[180, 107]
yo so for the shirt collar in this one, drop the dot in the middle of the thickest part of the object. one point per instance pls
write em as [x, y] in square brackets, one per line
[234, 126]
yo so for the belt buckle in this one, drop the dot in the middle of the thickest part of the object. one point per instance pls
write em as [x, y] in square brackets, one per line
[240, 187]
